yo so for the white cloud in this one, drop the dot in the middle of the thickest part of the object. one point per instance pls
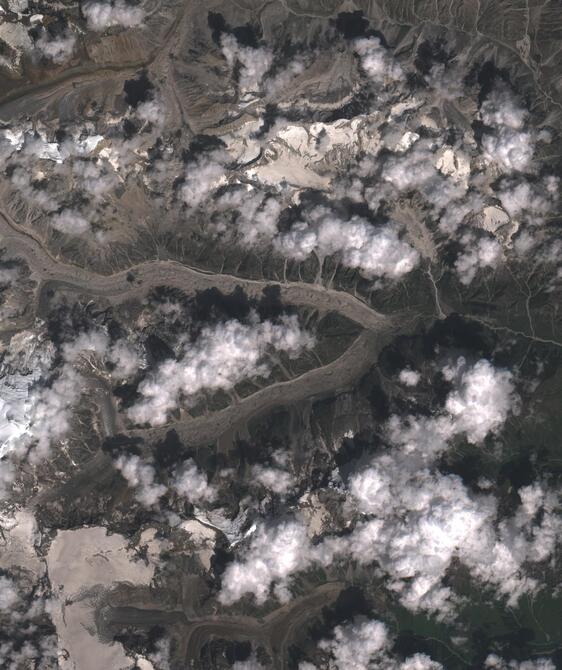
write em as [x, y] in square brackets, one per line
[497, 663]
[160, 658]
[375, 251]
[413, 169]
[354, 646]
[202, 176]
[529, 200]
[409, 377]
[102, 15]
[379, 65]
[273, 479]
[92, 176]
[124, 356]
[431, 169]
[274, 555]
[511, 149]
[8, 276]
[70, 222]
[420, 662]
[365, 645]
[420, 519]
[457, 211]
[446, 81]
[7, 475]
[58, 49]
[221, 357]
[9, 596]
[510, 146]
[141, 477]
[485, 252]
[479, 404]
[423, 519]
[257, 215]
[192, 484]
[502, 109]
[254, 62]
[251, 663]
[482, 399]
[152, 111]
[25, 362]
[126, 359]
[279, 83]
[51, 409]
[93, 341]
[35, 414]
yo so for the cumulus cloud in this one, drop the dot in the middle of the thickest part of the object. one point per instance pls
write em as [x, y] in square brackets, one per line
[26, 362]
[58, 49]
[482, 398]
[36, 410]
[274, 555]
[254, 63]
[279, 83]
[102, 15]
[221, 357]
[251, 663]
[8, 276]
[447, 81]
[354, 646]
[51, 407]
[160, 658]
[273, 479]
[379, 65]
[479, 404]
[420, 520]
[409, 377]
[501, 108]
[9, 596]
[70, 222]
[375, 251]
[530, 201]
[423, 519]
[437, 172]
[497, 663]
[364, 644]
[192, 484]
[511, 149]
[457, 211]
[92, 175]
[203, 176]
[152, 111]
[94, 341]
[142, 478]
[126, 359]
[7, 476]
[510, 146]
[484, 252]
[256, 215]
